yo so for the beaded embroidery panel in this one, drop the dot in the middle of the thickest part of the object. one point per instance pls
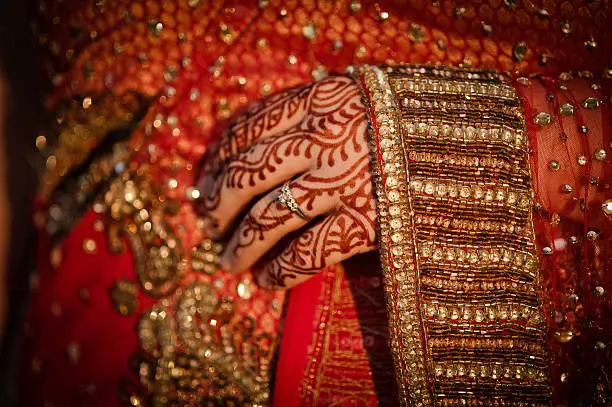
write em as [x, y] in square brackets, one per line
[456, 237]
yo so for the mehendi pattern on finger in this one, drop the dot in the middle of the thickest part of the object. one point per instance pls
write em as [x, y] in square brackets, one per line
[344, 233]
[333, 136]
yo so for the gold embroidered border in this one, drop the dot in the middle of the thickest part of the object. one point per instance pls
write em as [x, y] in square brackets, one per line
[456, 238]
[395, 242]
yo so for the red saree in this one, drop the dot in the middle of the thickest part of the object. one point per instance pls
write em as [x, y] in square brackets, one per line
[125, 310]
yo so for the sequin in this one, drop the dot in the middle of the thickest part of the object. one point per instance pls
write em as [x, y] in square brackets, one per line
[591, 103]
[245, 289]
[309, 31]
[566, 109]
[591, 235]
[566, 27]
[554, 165]
[89, 246]
[415, 33]
[519, 50]
[542, 119]
[124, 296]
[564, 335]
[600, 154]
[606, 207]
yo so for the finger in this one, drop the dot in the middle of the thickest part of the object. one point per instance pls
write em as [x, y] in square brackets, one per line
[272, 115]
[338, 237]
[269, 221]
[265, 165]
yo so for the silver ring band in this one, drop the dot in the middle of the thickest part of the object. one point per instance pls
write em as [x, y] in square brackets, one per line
[287, 199]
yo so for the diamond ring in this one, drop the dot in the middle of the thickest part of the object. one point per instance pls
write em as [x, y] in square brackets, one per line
[288, 200]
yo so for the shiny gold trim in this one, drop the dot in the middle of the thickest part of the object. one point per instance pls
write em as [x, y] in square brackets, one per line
[456, 238]
[396, 243]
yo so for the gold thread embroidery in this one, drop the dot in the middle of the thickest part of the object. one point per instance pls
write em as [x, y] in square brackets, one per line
[456, 237]
[199, 346]
[197, 352]
[397, 255]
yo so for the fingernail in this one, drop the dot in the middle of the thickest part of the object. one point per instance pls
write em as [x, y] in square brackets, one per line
[227, 262]
[263, 280]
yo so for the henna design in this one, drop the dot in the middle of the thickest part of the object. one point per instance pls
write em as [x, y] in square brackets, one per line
[268, 116]
[338, 237]
[329, 148]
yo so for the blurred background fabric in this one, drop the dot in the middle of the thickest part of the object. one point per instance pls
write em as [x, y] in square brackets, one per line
[23, 110]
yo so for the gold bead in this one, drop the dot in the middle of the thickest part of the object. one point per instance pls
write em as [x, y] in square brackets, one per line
[591, 103]
[355, 6]
[566, 109]
[242, 81]
[124, 296]
[582, 160]
[89, 245]
[591, 235]
[192, 193]
[566, 27]
[564, 335]
[542, 119]
[460, 11]
[606, 207]
[56, 256]
[600, 154]
[544, 59]
[519, 50]
[309, 31]
[590, 44]
[320, 72]
[245, 289]
[262, 43]
[415, 33]
[554, 165]
[265, 88]
[524, 81]
[361, 51]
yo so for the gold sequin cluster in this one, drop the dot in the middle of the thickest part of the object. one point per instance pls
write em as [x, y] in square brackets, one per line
[456, 237]
[203, 354]
[138, 211]
[197, 349]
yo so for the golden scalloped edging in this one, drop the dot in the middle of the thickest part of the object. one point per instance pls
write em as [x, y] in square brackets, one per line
[456, 239]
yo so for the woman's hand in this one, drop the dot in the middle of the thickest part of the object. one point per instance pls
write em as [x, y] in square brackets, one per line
[314, 139]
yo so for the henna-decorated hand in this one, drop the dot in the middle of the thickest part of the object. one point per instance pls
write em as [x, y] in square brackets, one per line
[314, 138]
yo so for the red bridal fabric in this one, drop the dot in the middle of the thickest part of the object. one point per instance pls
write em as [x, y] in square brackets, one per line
[77, 348]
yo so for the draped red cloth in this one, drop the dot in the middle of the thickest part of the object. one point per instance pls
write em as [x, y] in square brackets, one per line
[205, 60]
